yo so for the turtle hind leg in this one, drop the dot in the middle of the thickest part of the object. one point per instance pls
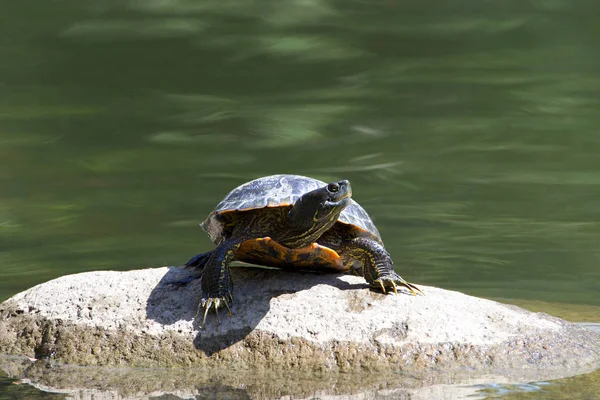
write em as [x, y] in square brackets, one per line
[216, 282]
[198, 261]
[377, 265]
[195, 263]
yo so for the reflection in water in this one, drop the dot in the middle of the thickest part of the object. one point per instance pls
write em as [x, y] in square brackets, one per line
[580, 387]
[83, 382]
[111, 30]
[468, 130]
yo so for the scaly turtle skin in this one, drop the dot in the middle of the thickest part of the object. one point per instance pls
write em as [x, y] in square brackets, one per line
[291, 222]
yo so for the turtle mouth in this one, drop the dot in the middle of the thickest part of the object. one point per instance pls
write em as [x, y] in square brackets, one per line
[346, 195]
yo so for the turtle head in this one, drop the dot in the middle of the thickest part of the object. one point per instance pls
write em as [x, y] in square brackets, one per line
[318, 210]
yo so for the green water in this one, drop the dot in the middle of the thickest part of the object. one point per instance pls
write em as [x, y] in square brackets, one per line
[469, 130]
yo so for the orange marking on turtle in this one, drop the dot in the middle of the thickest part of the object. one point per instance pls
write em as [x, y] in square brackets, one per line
[266, 251]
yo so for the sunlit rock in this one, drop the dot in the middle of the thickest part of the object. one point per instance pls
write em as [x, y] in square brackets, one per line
[286, 321]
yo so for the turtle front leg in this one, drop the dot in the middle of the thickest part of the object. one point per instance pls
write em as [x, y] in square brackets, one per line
[377, 265]
[216, 282]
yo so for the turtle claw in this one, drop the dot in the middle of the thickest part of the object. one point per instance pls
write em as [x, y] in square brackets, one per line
[213, 302]
[393, 280]
[382, 285]
[394, 287]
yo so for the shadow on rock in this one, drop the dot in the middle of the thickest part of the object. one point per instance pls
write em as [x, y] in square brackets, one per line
[178, 293]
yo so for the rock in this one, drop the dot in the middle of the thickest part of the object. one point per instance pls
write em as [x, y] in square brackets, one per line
[594, 326]
[287, 321]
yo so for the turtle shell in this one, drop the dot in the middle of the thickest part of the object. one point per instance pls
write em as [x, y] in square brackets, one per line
[279, 191]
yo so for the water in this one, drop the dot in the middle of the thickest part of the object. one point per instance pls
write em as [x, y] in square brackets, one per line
[468, 130]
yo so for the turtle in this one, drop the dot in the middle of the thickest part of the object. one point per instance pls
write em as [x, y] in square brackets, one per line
[291, 222]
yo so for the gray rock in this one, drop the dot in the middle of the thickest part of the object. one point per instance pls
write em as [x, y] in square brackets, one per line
[287, 321]
[594, 326]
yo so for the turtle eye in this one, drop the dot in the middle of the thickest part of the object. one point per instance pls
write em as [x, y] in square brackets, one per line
[333, 187]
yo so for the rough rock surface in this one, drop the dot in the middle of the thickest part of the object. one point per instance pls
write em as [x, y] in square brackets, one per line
[284, 321]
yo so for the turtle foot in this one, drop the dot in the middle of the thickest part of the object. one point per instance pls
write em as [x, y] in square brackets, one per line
[392, 281]
[213, 302]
